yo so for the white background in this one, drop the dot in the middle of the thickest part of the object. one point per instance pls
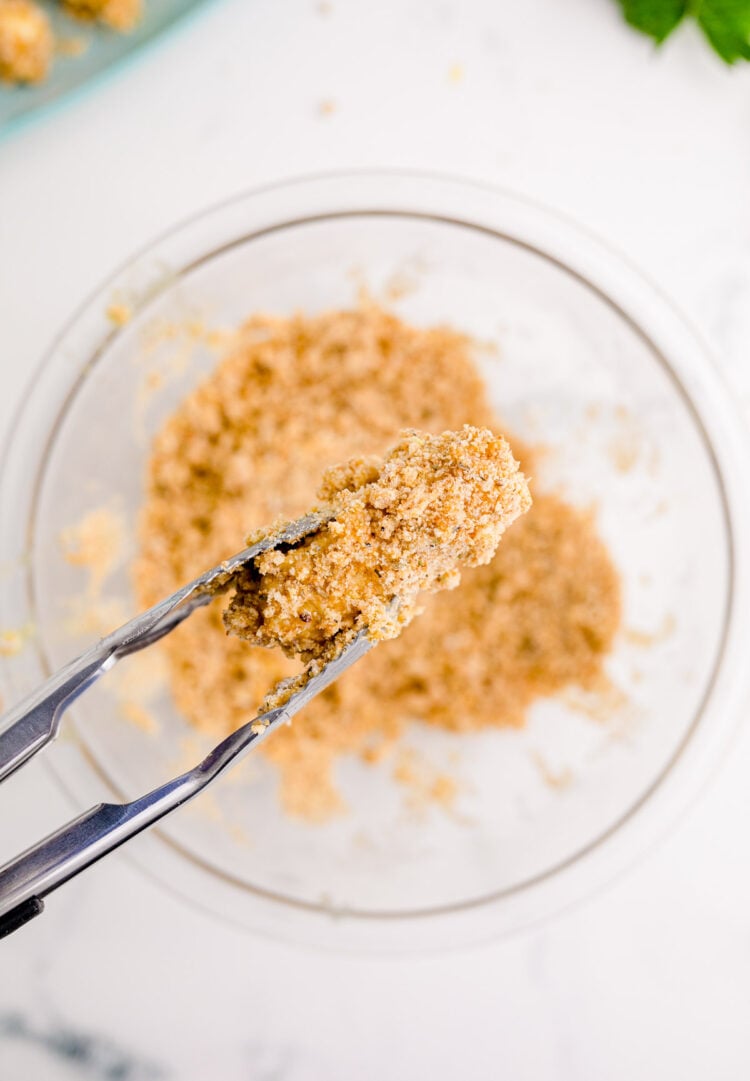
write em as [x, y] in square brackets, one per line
[559, 100]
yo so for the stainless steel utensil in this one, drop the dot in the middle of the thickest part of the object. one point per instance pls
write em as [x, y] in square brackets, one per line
[26, 880]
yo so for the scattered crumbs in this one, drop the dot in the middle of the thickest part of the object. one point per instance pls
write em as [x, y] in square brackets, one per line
[443, 790]
[72, 47]
[622, 729]
[379, 747]
[489, 347]
[96, 543]
[327, 107]
[186, 337]
[626, 444]
[623, 450]
[119, 314]
[601, 701]
[120, 15]
[456, 74]
[217, 340]
[404, 281]
[629, 445]
[557, 779]
[160, 331]
[195, 329]
[152, 382]
[138, 715]
[357, 276]
[324, 7]
[258, 727]
[426, 785]
[13, 640]
[400, 285]
[166, 352]
[645, 639]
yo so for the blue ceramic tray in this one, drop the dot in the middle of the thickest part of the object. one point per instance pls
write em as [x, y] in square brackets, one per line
[103, 49]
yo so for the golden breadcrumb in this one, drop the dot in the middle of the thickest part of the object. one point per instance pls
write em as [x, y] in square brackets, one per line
[72, 46]
[95, 543]
[122, 15]
[249, 445]
[13, 640]
[425, 785]
[119, 314]
[26, 42]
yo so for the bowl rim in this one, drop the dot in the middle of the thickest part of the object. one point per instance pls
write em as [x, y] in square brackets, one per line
[649, 313]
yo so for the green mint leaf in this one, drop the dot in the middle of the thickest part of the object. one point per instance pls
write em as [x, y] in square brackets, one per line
[657, 18]
[726, 24]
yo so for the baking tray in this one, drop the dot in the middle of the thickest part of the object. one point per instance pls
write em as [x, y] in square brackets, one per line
[101, 50]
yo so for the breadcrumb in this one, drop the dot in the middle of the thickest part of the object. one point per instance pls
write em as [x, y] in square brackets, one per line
[119, 314]
[26, 42]
[95, 543]
[122, 15]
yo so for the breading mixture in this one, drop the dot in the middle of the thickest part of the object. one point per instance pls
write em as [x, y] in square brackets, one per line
[26, 42]
[249, 445]
[394, 528]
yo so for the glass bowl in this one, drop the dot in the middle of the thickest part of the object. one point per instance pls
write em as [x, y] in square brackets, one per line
[593, 362]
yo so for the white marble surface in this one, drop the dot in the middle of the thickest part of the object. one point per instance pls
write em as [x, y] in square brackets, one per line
[648, 980]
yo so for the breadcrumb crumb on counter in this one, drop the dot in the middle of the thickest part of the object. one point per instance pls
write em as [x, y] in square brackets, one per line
[122, 15]
[26, 42]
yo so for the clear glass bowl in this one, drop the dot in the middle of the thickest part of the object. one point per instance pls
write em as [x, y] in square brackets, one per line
[592, 361]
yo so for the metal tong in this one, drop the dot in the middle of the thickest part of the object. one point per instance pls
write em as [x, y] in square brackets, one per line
[26, 880]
